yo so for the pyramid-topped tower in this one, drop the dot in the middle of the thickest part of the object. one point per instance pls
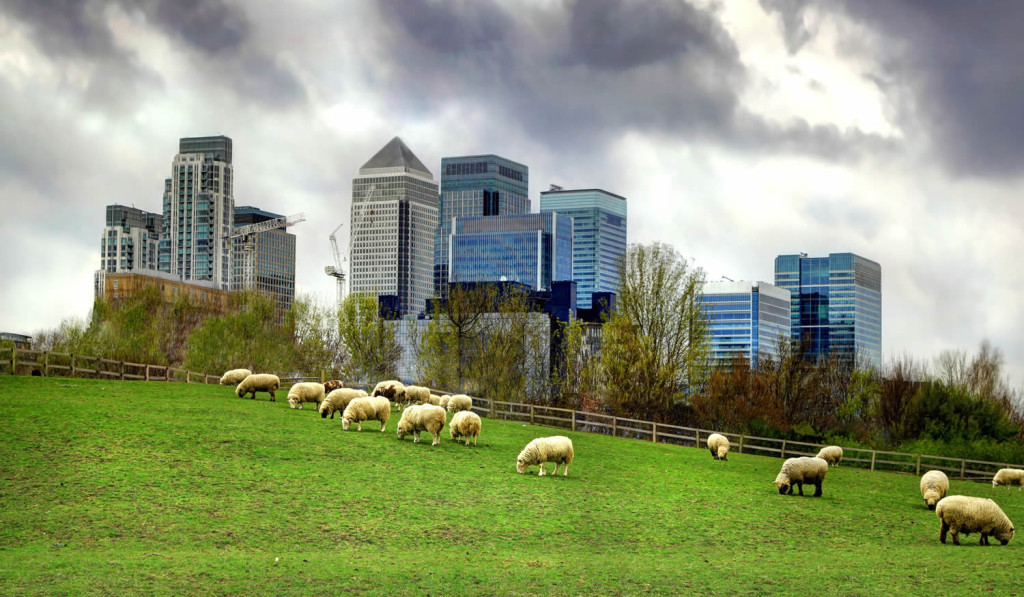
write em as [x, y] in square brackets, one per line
[396, 155]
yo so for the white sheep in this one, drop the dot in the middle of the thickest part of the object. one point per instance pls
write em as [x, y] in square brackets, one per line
[719, 446]
[797, 471]
[338, 399]
[1008, 477]
[306, 391]
[422, 417]
[435, 400]
[557, 449]
[465, 423]
[443, 401]
[934, 485]
[831, 454]
[417, 395]
[372, 408]
[234, 377]
[391, 389]
[964, 514]
[459, 402]
[259, 382]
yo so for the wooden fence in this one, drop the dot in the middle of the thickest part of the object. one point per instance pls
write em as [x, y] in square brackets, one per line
[875, 460]
[21, 361]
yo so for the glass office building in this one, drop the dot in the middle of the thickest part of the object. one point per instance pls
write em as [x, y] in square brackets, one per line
[534, 249]
[393, 223]
[836, 305]
[599, 237]
[745, 318]
[476, 185]
[274, 257]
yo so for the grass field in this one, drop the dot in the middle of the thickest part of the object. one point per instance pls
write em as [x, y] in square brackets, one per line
[110, 487]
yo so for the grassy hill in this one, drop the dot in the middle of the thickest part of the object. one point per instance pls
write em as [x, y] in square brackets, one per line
[112, 487]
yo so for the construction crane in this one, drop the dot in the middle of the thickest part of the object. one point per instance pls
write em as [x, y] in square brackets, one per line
[357, 226]
[248, 235]
[335, 270]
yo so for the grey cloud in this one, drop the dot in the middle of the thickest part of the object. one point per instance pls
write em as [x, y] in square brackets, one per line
[794, 28]
[447, 28]
[208, 25]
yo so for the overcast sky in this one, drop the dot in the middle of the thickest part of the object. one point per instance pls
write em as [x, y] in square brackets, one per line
[737, 129]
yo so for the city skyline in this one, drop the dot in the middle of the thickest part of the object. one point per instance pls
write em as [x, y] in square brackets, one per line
[738, 132]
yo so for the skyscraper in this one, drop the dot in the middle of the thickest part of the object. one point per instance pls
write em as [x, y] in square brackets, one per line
[130, 242]
[534, 249]
[274, 257]
[745, 318]
[198, 211]
[836, 305]
[393, 223]
[476, 185]
[599, 237]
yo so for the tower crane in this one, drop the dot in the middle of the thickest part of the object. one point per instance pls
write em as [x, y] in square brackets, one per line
[357, 225]
[335, 270]
[248, 235]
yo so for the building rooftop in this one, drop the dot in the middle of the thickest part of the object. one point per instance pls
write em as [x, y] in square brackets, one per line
[396, 154]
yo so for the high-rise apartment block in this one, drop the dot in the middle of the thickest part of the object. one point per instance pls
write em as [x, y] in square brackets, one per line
[836, 305]
[477, 185]
[273, 257]
[745, 319]
[534, 249]
[599, 237]
[198, 208]
[130, 240]
[393, 223]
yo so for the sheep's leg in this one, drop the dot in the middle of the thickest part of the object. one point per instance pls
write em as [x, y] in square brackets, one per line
[474, 441]
[437, 438]
[565, 471]
[943, 531]
[467, 440]
[359, 425]
[799, 486]
[817, 489]
[984, 539]
[956, 535]
[557, 464]
[541, 473]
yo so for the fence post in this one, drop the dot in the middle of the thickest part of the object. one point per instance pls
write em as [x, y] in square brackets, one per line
[120, 366]
[741, 444]
[783, 448]
[14, 360]
[963, 470]
[696, 440]
[46, 363]
[531, 414]
[574, 420]
[72, 365]
[654, 432]
[873, 459]
[918, 465]
[147, 372]
[493, 411]
[615, 427]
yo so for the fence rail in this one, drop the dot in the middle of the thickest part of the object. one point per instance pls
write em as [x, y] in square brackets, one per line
[22, 361]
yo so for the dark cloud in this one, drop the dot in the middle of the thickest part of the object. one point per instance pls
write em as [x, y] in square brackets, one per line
[794, 27]
[208, 25]
[448, 28]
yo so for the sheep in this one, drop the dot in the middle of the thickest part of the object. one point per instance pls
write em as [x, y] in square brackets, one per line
[422, 417]
[719, 446]
[963, 514]
[797, 471]
[259, 382]
[337, 400]
[436, 400]
[372, 408]
[1008, 477]
[334, 384]
[234, 377]
[417, 395]
[443, 401]
[831, 454]
[557, 449]
[391, 389]
[934, 485]
[465, 423]
[459, 402]
[306, 391]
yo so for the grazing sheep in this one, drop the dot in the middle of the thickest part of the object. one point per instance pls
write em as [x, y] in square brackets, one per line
[435, 400]
[234, 377]
[934, 485]
[443, 401]
[306, 391]
[332, 385]
[797, 471]
[557, 449]
[417, 395]
[719, 446]
[1008, 477]
[831, 454]
[422, 417]
[259, 382]
[391, 389]
[459, 402]
[372, 408]
[465, 423]
[963, 514]
[337, 400]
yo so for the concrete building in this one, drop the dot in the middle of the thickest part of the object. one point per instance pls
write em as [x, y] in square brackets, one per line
[274, 257]
[836, 304]
[198, 208]
[745, 319]
[475, 186]
[206, 295]
[393, 224]
[130, 242]
[599, 237]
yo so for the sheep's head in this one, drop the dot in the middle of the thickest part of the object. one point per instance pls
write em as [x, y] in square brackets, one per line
[345, 422]
[784, 487]
[931, 498]
[402, 431]
[323, 413]
[1004, 536]
[520, 465]
[292, 402]
[238, 391]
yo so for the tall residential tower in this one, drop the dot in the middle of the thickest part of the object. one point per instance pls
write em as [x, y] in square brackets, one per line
[393, 223]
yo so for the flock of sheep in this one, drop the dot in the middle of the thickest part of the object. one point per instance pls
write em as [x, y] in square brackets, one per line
[421, 412]
[426, 412]
[957, 513]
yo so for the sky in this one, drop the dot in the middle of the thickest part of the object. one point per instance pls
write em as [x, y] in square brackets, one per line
[738, 130]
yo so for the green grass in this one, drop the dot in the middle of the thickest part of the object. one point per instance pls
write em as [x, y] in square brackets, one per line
[111, 487]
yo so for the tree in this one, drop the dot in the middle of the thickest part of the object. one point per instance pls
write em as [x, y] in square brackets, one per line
[371, 342]
[655, 347]
[249, 336]
[576, 374]
[317, 342]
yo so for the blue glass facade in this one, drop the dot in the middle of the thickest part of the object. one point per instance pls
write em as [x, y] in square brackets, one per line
[533, 249]
[472, 186]
[745, 318]
[836, 304]
[599, 237]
